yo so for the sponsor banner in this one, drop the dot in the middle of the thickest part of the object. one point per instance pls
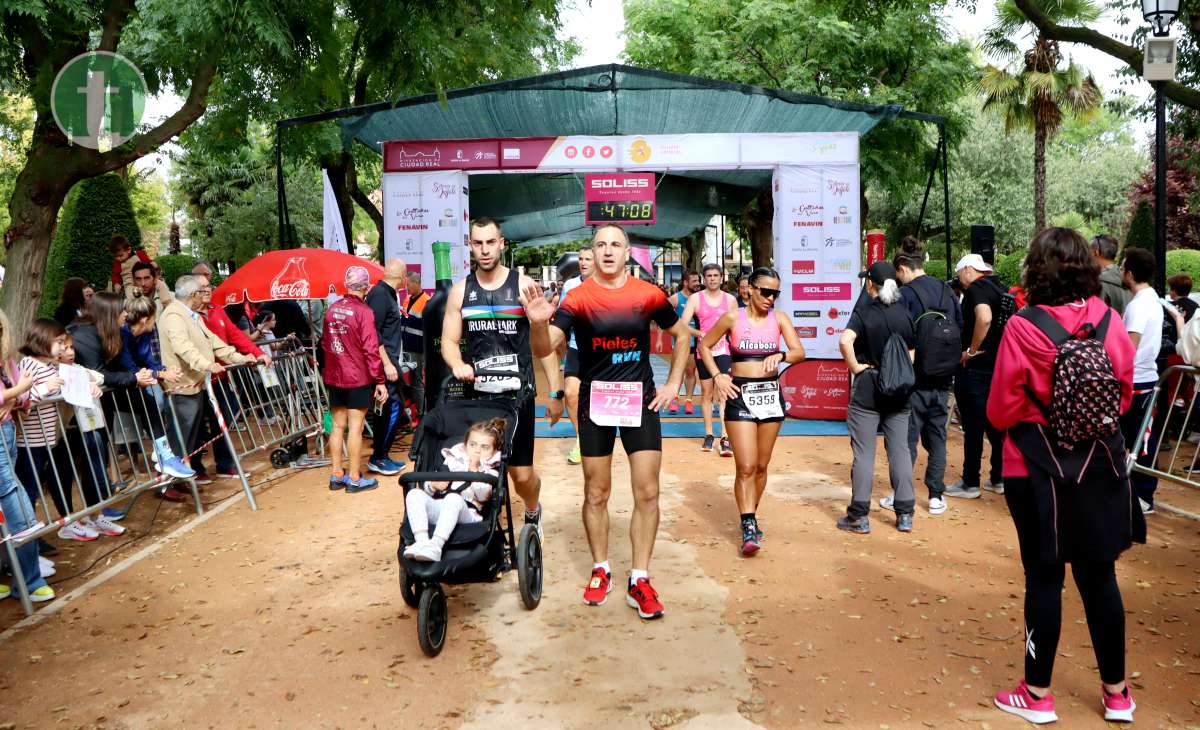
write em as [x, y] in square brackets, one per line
[419, 209]
[335, 232]
[651, 151]
[816, 250]
[816, 390]
[441, 154]
[800, 149]
[666, 151]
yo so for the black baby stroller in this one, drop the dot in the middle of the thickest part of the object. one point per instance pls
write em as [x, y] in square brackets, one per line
[475, 553]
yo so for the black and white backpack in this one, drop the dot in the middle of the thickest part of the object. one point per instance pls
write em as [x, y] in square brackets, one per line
[1085, 400]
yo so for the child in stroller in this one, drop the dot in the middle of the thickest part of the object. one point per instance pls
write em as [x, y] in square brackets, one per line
[454, 503]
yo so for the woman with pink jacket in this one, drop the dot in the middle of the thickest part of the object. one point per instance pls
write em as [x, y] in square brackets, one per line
[1069, 497]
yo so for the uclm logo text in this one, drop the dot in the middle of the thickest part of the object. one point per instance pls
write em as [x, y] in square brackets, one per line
[633, 182]
[804, 267]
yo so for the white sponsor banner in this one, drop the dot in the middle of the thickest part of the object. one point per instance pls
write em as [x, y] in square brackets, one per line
[335, 232]
[583, 153]
[816, 252]
[799, 149]
[669, 151]
[421, 208]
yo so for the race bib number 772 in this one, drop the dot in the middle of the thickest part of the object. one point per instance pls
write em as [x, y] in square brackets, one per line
[615, 404]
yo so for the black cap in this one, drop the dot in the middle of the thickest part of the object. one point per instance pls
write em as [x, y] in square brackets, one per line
[879, 272]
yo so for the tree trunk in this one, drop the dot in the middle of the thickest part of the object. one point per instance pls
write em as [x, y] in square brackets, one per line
[693, 253]
[38, 194]
[762, 241]
[1039, 177]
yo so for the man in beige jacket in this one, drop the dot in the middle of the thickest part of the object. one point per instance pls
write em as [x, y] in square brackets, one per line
[189, 346]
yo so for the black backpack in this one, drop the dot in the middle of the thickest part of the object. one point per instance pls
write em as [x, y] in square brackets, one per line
[896, 377]
[939, 339]
[1085, 400]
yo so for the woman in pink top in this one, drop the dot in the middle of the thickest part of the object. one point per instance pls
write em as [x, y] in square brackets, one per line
[755, 409]
[1070, 502]
[708, 306]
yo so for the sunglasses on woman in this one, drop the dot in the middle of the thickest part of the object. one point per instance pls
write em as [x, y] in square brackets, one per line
[772, 293]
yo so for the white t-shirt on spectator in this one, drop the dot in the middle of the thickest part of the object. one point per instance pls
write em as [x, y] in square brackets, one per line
[1144, 317]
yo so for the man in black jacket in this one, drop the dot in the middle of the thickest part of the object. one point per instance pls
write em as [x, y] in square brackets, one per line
[389, 416]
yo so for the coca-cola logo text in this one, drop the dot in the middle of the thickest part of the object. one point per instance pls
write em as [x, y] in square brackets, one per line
[293, 290]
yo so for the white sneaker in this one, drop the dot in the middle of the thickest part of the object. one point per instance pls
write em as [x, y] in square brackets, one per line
[426, 552]
[77, 531]
[1147, 508]
[46, 566]
[888, 502]
[998, 487]
[937, 505]
[105, 526]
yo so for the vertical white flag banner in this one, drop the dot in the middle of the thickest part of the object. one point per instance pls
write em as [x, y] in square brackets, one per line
[335, 233]
[420, 209]
[817, 252]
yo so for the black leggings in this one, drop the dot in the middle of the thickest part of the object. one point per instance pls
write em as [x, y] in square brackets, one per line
[1097, 584]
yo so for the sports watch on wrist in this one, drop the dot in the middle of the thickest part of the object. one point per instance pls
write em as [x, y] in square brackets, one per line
[557, 394]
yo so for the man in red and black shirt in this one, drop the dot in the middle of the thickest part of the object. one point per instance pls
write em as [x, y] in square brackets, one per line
[610, 315]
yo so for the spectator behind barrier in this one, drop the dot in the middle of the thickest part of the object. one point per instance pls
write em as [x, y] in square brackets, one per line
[73, 301]
[38, 432]
[14, 501]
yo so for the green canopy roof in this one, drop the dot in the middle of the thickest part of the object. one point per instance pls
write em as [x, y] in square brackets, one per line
[606, 100]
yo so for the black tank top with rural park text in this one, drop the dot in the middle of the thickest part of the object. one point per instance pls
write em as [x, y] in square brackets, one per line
[497, 336]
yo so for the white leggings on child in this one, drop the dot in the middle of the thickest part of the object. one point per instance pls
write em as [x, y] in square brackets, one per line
[446, 512]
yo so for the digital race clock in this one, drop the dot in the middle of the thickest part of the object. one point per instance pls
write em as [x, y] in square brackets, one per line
[624, 211]
[622, 197]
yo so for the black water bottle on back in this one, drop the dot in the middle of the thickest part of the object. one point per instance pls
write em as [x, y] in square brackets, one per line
[435, 311]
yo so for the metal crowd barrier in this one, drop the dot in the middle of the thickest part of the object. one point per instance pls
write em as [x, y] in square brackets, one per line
[85, 460]
[1171, 415]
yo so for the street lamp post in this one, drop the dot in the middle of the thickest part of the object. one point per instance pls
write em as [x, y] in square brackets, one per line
[1158, 67]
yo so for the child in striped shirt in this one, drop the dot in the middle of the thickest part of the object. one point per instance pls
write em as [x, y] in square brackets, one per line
[38, 427]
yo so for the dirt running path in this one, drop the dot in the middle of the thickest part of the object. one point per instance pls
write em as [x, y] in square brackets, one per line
[566, 665]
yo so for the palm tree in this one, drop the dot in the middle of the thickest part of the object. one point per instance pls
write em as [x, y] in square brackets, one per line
[1034, 93]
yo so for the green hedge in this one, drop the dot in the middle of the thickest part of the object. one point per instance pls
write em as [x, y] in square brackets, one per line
[174, 266]
[1008, 267]
[1141, 228]
[96, 209]
[1185, 261]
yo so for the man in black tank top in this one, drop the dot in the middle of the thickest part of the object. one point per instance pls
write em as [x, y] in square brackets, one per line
[485, 308]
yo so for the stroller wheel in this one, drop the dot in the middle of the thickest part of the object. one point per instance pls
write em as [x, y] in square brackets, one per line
[408, 588]
[529, 567]
[280, 458]
[431, 620]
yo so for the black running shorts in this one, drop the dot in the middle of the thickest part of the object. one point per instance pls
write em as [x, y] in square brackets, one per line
[358, 399]
[724, 362]
[736, 410]
[599, 440]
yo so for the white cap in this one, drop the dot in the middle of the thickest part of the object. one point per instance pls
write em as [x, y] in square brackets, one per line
[973, 260]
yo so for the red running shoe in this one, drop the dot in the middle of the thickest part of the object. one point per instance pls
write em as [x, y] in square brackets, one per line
[598, 588]
[674, 407]
[644, 598]
[688, 408]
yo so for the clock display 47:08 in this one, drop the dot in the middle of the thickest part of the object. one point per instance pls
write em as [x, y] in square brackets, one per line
[629, 210]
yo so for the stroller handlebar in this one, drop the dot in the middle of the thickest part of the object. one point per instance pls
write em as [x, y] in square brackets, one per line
[414, 477]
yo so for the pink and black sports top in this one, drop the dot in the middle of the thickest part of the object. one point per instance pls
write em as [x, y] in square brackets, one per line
[753, 342]
[708, 316]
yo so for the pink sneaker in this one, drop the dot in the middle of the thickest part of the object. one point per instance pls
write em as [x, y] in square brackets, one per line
[1118, 708]
[674, 407]
[1022, 704]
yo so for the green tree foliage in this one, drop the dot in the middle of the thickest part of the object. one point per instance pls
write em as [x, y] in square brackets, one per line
[16, 130]
[97, 209]
[1141, 227]
[1090, 168]
[1035, 93]
[148, 194]
[875, 52]
[1008, 267]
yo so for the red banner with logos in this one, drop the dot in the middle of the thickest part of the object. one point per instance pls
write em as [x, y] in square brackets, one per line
[816, 390]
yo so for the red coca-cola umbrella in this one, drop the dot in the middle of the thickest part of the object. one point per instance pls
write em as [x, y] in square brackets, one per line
[298, 273]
